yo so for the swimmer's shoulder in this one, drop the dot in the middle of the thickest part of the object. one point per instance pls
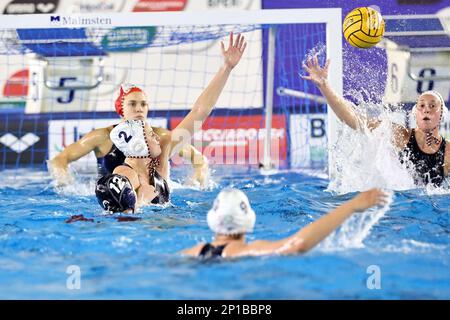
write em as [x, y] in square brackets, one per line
[102, 134]
[255, 248]
[101, 140]
[194, 251]
[94, 140]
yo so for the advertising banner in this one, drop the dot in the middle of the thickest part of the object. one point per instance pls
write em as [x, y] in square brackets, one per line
[239, 139]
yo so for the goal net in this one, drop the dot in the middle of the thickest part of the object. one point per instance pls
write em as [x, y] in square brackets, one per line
[60, 75]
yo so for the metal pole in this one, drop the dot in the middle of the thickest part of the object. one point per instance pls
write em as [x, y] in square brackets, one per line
[300, 94]
[269, 97]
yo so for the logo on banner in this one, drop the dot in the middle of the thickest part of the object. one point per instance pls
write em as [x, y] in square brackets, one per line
[79, 21]
[31, 7]
[55, 20]
[89, 6]
[230, 4]
[240, 140]
[128, 39]
[308, 137]
[159, 5]
[17, 84]
[19, 145]
[23, 141]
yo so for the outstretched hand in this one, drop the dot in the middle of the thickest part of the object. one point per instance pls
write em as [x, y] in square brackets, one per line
[317, 74]
[60, 174]
[368, 199]
[236, 48]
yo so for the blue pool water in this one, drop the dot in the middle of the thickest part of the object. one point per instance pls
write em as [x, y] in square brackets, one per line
[138, 259]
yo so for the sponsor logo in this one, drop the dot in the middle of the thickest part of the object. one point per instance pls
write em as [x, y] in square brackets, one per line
[239, 140]
[31, 7]
[19, 145]
[308, 140]
[55, 20]
[224, 3]
[84, 6]
[45, 7]
[234, 4]
[17, 84]
[159, 5]
[128, 39]
[79, 21]
[22, 140]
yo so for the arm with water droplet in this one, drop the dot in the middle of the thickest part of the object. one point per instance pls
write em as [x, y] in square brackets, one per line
[341, 107]
[320, 229]
[58, 167]
[311, 235]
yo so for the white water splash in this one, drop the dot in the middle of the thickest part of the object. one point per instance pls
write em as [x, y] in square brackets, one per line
[319, 49]
[189, 183]
[79, 187]
[367, 159]
[412, 246]
[20, 178]
[355, 229]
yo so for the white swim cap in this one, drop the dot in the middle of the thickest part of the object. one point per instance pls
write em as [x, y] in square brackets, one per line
[439, 97]
[231, 213]
[129, 137]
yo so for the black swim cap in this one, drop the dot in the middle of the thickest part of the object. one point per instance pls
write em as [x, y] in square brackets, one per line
[115, 193]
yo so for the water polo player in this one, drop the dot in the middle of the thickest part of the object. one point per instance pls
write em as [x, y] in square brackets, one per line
[147, 153]
[231, 217]
[423, 149]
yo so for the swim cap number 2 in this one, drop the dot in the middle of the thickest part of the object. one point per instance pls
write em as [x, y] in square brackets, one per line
[123, 134]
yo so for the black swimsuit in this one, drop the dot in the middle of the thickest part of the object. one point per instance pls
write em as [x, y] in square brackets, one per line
[111, 160]
[107, 163]
[115, 158]
[210, 251]
[429, 168]
[161, 187]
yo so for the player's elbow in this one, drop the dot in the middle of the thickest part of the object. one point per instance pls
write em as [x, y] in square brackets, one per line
[302, 247]
[201, 110]
[295, 245]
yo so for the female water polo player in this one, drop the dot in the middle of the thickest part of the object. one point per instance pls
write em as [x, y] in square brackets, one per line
[423, 148]
[146, 166]
[109, 157]
[231, 217]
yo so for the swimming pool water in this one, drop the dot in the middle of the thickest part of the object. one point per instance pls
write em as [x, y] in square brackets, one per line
[138, 259]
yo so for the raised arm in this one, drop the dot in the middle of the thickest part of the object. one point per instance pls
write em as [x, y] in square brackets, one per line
[208, 98]
[311, 235]
[340, 106]
[58, 166]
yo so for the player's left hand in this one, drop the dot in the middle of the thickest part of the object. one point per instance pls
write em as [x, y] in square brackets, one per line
[236, 48]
